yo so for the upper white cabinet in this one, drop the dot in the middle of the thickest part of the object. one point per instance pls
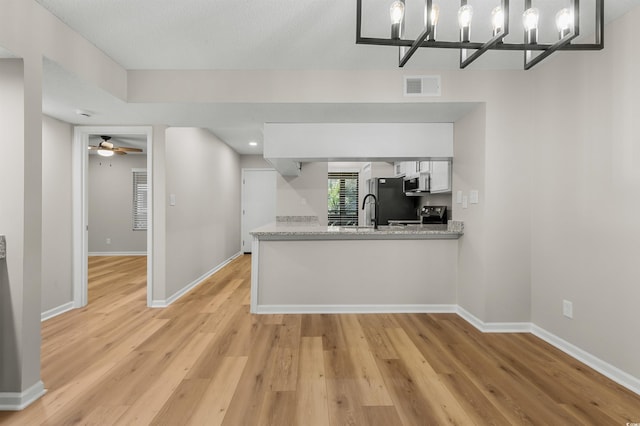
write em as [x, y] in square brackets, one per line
[406, 168]
[398, 169]
[440, 176]
[439, 172]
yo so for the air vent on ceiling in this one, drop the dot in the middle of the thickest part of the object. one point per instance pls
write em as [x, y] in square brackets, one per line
[422, 85]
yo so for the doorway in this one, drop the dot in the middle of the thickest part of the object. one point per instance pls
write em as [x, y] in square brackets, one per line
[80, 179]
[258, 202]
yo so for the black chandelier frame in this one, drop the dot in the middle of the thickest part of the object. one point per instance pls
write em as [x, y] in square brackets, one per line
[470, 51]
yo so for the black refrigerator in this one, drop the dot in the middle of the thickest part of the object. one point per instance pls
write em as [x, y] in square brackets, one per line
[392, 203]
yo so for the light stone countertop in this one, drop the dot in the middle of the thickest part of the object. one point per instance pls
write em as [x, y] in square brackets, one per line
[305, 231]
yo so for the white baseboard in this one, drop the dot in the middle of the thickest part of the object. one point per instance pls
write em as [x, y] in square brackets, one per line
[57, 311]
[117, 253]
[622, 378]
[15, 401]
[354, 309]
[186, 289]
[493, 327]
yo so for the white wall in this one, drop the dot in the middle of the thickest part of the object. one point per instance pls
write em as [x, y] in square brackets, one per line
[587, 169]
[11, 218]
[110, 188]
[203, 228]
[468, 173]
[254, 162]
[21, 222]
[159, 211]
[57, 286]
[304, 195]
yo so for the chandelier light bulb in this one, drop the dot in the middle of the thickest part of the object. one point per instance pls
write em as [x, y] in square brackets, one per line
[564, 21]
[397, 12]
[497, 20]
[465, 13]
[434, 16]
[397, 15]
[530, 19]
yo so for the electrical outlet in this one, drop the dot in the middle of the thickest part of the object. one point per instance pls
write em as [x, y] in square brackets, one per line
[567, 309]
[108, 240]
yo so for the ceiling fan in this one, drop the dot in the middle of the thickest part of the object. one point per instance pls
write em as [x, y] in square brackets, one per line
[107, 149]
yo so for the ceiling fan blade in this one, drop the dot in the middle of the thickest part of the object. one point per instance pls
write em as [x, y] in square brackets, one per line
[122, 148]
[119, 152]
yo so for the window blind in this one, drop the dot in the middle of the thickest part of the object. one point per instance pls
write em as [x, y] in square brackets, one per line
[140, 191]
[343, 198]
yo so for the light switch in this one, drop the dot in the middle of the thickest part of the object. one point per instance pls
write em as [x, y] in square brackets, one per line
[465, 202]
[172, 199]
[473, 196]
[459, 197]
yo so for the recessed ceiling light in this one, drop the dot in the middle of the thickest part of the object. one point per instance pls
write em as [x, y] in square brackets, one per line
[253, 143]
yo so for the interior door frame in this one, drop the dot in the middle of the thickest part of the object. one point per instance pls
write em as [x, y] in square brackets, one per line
[80, 205]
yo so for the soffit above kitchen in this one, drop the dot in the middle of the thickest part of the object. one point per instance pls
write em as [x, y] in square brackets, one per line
[234, 123]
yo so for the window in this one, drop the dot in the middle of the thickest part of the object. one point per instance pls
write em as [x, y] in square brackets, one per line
[140, 199]
[343, 198]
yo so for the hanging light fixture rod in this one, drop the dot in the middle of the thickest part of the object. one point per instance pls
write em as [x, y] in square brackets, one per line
[567, 22]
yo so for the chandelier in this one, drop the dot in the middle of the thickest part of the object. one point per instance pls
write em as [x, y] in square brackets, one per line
[567, 21]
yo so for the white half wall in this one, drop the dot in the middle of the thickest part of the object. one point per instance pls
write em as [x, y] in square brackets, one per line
[326, 273]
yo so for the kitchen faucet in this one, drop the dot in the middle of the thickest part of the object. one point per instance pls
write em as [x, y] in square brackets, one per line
[375, 205]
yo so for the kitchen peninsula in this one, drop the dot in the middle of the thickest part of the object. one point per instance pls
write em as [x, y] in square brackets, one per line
[304, 268]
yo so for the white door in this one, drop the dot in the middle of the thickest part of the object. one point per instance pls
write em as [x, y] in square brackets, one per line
[258, 202]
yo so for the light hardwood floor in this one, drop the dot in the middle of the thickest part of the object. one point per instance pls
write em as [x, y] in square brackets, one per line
[205, 360]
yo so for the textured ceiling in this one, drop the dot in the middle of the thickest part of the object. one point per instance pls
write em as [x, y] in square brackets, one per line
[267, 34]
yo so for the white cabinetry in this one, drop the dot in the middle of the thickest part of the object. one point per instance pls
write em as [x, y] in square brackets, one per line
[398, 168]
[406, 168]
[439, 172]
[440, 176]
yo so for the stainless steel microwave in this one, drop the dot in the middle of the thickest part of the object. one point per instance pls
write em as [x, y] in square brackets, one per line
[418, 183]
